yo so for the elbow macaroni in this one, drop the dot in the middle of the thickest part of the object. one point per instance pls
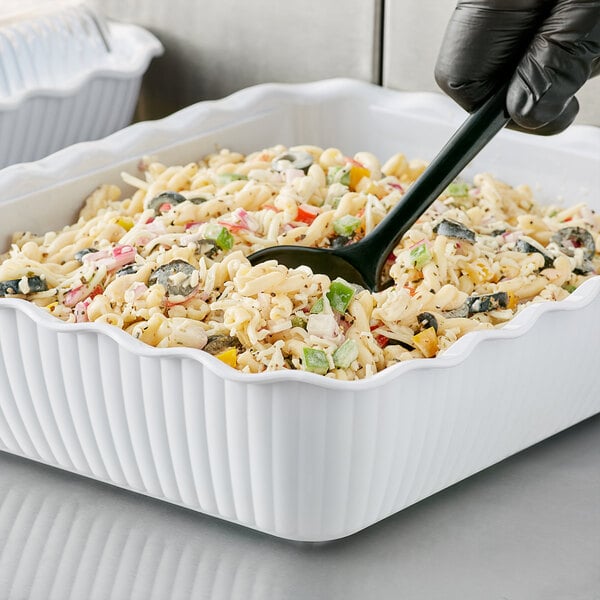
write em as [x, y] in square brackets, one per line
[268, 306]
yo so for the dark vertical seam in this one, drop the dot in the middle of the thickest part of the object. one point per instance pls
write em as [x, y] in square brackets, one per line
[380, 24]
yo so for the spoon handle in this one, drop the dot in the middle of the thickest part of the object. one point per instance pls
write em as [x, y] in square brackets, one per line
[476, 131]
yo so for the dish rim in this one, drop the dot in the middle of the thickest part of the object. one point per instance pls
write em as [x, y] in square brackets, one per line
[456, 354]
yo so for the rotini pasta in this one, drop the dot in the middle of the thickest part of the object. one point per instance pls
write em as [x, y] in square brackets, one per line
[168, 263]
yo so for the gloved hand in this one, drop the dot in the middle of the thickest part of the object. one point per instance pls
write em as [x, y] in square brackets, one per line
[551, 48]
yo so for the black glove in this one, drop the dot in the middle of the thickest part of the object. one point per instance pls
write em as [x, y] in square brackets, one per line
[549, 49]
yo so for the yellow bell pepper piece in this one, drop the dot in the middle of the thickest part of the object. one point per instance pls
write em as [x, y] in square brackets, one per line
[356, 174]
[229, 357]
[427, 342]
[125, 222]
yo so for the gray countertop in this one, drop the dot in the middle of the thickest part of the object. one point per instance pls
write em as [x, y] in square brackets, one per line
[525, 529]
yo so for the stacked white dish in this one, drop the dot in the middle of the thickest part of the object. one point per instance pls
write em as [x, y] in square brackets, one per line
[65, 76]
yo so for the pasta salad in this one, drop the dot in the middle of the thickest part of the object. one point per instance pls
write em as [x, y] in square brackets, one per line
[167, 264]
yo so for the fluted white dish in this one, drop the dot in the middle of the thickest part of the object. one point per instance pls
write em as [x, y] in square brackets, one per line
[66, 76]
[291, 453]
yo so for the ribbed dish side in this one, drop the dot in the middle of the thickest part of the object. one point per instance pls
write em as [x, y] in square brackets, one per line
[454, 422]
[288, 458]
[43, 124]
[292, 459]
[363, 457]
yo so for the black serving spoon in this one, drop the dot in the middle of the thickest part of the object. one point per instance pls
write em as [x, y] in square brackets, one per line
[363, 261]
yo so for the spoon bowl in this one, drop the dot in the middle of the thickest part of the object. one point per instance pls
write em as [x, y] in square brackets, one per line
[331, 262]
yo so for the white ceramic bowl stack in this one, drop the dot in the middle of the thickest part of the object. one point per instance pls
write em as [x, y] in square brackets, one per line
[65, 76]
[292, 453]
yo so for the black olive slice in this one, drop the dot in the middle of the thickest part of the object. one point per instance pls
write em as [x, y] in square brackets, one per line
[393, 342]
[570, 239]
[79, 255]
[175, 277]
[198, 200]
[339, 241]
[454, 229]
[292, 160]
[128, 270]
[479, 304]
[208, 248]
[487, 302]
[163, 198]
[586, 267]
[11, 286]
[529, 246]
[219, 343]
[426, 320]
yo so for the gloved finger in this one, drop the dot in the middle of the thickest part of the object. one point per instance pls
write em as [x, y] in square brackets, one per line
[559, 60]
[484, 41]
[560, 123]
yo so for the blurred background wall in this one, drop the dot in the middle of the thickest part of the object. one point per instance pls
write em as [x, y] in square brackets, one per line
[215, 47]
[412, 35]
